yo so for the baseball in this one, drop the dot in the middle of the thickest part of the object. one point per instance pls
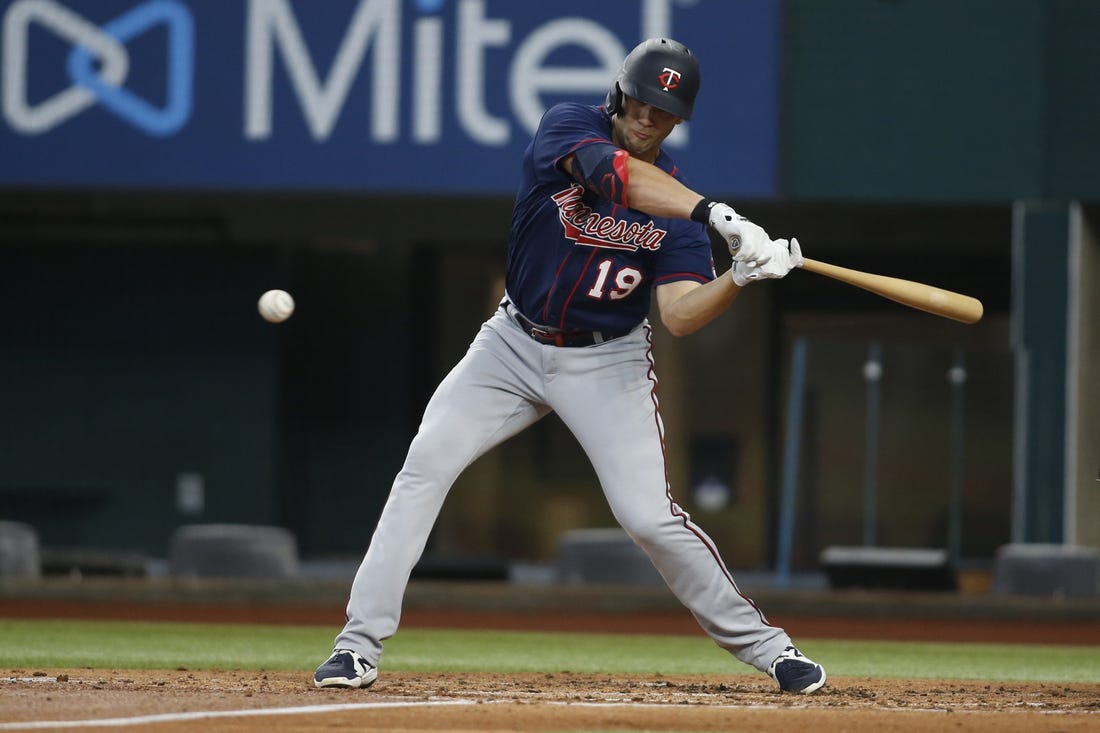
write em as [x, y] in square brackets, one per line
[276, 306]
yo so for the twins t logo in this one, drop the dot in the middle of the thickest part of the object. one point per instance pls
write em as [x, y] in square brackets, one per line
[103, 81]
[669, 78]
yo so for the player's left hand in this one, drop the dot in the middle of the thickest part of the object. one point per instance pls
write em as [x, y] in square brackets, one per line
[785, 256]
[747, 241]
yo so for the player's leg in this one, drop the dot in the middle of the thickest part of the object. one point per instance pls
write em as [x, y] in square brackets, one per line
[606, 396]
[490, 395]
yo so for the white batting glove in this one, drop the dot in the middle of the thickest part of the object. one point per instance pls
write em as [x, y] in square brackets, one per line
[747, 242]
[785, 257]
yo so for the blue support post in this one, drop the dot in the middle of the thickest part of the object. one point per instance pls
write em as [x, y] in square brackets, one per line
[872, 374]
[791, 448]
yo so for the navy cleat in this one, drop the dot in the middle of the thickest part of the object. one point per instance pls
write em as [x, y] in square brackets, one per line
[797, 673]
[345, 668]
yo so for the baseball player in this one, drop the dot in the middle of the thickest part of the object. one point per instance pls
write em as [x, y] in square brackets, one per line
[602, 221]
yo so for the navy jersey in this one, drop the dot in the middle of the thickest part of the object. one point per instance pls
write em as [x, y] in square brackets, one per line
[577, 261]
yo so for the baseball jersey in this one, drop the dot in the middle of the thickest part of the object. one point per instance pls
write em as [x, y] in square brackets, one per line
[577, 261]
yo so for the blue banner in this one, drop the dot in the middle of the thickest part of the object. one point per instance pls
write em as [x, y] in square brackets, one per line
[402, 96]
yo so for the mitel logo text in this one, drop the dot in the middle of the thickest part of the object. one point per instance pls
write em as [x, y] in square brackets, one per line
[97, 66]
[376, 26]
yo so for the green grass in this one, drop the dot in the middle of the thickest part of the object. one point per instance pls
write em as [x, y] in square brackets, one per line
[27, 644]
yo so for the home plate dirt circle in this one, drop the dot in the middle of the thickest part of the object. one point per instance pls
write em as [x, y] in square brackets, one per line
[247, 702]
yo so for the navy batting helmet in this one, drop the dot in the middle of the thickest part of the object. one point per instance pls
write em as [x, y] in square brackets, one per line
[660, 72]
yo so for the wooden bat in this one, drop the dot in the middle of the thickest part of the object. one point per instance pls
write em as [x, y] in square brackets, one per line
[923, 297]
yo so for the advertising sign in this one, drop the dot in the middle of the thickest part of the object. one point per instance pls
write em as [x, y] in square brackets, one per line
[403, 96]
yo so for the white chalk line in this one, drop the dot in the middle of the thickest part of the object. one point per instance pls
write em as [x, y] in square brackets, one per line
[207, 714]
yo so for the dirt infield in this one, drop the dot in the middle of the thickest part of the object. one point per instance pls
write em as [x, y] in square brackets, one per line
[248, 702]
[229, 701]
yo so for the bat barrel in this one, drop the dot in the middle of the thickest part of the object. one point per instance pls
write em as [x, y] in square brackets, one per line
[927, 298]
[955, 306]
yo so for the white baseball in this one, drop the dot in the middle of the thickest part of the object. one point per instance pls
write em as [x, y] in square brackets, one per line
[276, 306]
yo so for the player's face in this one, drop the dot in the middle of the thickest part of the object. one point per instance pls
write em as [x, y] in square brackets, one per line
[641, 128]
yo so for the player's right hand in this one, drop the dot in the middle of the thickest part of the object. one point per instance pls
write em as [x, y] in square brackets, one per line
[747, 242]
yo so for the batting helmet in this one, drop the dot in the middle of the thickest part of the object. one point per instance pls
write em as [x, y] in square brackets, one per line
[660, 72]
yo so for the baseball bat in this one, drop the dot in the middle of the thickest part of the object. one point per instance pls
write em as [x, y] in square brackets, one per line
[927, 298]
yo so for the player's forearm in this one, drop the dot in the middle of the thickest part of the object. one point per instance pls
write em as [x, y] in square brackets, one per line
[686, 306]
[655, 192]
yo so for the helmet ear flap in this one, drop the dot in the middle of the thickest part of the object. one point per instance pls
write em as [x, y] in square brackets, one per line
[614, 101]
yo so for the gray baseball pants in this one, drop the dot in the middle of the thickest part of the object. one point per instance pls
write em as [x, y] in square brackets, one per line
[605, 395]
